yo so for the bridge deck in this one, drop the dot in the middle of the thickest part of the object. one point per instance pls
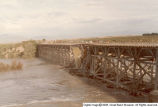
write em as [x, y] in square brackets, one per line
[152, 45]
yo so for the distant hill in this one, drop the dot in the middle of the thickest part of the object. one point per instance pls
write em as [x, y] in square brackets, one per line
[150, 34]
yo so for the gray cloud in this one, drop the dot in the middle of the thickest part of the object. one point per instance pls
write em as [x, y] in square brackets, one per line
[92, 20]
[57, 19]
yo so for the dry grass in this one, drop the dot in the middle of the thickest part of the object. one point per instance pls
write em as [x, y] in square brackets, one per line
[115, 39]
[15, 65]
[25, 49]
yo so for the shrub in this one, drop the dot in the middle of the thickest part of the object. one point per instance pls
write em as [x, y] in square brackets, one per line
[13, 66]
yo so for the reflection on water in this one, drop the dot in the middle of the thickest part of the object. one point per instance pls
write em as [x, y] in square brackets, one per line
[40, 82]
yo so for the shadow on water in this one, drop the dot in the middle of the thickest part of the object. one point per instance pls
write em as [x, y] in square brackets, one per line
[120, 95]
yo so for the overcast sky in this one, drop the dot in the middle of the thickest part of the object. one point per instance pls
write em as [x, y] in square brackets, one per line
[59, 19]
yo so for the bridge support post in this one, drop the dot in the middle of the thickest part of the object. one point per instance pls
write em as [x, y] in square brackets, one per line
[153, 96]
[156, 70]
[117, 68]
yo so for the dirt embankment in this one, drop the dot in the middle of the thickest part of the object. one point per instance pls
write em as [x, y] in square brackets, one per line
[25, 49]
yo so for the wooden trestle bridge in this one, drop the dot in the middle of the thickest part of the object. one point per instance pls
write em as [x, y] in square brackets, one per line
[132, 67]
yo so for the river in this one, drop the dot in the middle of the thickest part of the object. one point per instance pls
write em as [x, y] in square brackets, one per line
[42, 84]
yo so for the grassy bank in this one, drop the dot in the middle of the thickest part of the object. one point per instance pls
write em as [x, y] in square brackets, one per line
[25, 49]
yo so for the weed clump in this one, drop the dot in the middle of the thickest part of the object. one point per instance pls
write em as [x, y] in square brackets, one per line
[13, 66]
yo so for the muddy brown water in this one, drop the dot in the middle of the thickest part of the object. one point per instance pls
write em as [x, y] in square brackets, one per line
[42, 84]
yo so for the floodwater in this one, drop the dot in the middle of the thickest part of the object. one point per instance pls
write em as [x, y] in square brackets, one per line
[42, 84]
